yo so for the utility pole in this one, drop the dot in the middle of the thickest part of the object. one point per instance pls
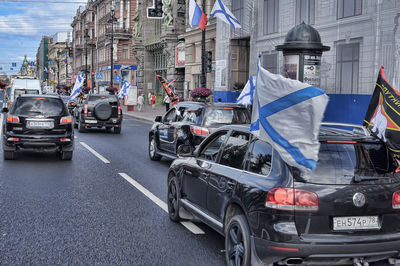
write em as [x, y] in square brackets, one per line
[203, 77]
[92, 78]
[58, 69]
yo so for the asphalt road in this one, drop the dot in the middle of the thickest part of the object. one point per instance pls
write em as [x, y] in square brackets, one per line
[96, 208]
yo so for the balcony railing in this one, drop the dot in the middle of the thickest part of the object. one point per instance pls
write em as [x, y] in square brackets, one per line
[120, 32]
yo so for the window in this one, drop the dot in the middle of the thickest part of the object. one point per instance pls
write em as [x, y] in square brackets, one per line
[260, 158]
[235, 150]
[270, 62]
[347, 67]
[170, 116]
[226, 115]
[193, 116]
[93, 16]
[240, 53]
[125, 51]
[237, 9]
[211, 149]
[349, 8]
[270, 15]
[305, 11]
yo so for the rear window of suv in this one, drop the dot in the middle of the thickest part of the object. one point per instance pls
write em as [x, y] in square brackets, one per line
[342, 163]
[226, 115]
[29, 106]
[94, 99]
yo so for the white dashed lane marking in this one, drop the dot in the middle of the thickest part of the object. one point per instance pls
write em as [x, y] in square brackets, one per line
[95, 153]
[189, 225]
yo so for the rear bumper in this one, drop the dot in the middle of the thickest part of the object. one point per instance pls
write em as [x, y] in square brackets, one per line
[93, 122]
[38, 142]
[328, 254]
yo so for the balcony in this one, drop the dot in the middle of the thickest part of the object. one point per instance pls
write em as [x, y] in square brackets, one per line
[120, 32]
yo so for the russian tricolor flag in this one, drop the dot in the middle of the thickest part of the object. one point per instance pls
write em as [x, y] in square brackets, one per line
[196, 16]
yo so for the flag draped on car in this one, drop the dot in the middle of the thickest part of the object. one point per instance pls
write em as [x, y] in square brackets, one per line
[382, 118]
[246, 96]
[197, 18]
[77, 87]
[287, 113]
[220, 11]
[124, 90]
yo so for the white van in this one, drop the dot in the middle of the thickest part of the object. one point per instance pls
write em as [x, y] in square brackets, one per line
[23, 85]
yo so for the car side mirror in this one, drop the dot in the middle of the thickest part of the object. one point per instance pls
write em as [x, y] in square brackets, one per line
[185, 150]
[158, 119]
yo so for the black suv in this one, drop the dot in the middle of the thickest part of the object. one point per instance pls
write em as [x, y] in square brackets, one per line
[38, 122]
[99, 110]
[190, 123]
[345, 212]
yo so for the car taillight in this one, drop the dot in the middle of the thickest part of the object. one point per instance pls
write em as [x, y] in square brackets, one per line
[12, 119]
[396, 200]
[199, 131]
[119, 111]
[73, 104]
[282, 198]
[66, 120]
[85, 109]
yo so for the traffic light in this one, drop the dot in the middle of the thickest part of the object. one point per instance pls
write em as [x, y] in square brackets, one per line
[70, 52]
[209, 62]
[155, 11]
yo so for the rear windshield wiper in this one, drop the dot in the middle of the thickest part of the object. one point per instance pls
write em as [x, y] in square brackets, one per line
[358, 178]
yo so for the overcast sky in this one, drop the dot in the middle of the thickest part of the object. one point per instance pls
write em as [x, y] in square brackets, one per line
[23, 23]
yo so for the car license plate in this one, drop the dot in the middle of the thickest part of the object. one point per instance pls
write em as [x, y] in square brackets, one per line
[40, 124]
[91, 121]
[356, 223]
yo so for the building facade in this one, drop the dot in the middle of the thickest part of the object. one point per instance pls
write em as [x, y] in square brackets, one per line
[59, 65]
[42, 59]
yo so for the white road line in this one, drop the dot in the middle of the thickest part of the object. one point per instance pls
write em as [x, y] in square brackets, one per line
[189, 225]
[95, 153]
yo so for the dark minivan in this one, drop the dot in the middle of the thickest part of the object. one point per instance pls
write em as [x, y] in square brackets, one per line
[39, 122]
[345, 212]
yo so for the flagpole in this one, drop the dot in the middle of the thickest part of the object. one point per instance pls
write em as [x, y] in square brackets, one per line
[203, 77]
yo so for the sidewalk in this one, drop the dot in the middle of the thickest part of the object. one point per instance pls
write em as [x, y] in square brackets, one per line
[147, 114]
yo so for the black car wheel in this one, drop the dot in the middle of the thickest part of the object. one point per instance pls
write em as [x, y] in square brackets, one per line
[8, 155]
[66, 155]
[81, 126]
[153, 150]
[117, 130]
[173, 199]
[237, 237]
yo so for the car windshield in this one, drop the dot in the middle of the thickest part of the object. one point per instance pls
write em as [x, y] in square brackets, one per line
[18, 92]
[36, 106]
[340, 163]
[226, 115]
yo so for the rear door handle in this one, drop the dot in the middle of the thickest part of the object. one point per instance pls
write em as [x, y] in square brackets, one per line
[230, 184]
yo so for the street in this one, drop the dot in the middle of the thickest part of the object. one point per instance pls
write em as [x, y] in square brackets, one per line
[103, 207]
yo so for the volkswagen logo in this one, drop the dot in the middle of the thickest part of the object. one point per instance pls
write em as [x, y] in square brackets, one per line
[359, 199]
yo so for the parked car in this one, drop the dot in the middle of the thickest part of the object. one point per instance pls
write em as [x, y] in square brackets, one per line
[345, 212]
[190, 123]
[99, 110]
[71, 104]
[39, 122]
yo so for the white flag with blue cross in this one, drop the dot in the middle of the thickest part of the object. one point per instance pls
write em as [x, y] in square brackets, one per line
[246, 96]
[77, 87]
[223, 13]
[287, 114]
[124, 90]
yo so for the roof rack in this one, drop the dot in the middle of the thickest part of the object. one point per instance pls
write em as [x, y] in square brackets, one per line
[357, 129]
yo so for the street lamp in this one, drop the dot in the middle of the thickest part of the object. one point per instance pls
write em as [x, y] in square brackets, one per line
[86, 65]
[112, 20]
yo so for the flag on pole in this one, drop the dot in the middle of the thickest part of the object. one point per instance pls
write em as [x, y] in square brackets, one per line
[220, 11]
[287, 113]
[77, 87]
[382, 118]
[65, 61]
[124, 90]
[246, 96]
[197, 18]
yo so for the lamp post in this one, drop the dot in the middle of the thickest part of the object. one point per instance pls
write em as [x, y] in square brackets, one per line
[92, 78]
[203, 76]
[58, 68]
[112, 20]
[86, 65]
